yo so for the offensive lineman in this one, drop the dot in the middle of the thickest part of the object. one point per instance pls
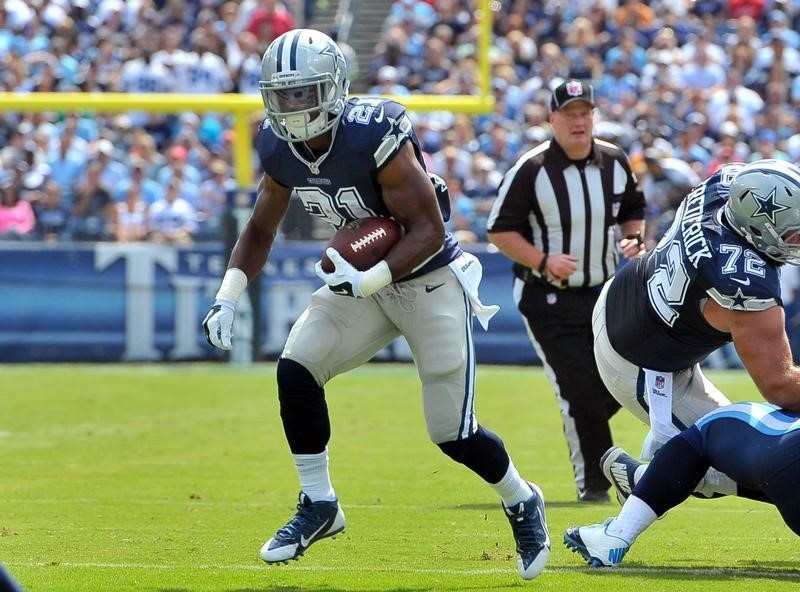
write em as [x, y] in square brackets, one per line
[348, 159]
[712, 279]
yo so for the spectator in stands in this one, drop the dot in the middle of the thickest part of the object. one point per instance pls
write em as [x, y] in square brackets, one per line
[453, 15]
[617, 83]
[172, 219]
[462, 213]
[67, 163]
[54, 221]
[766, 147]
[734, 101]
[244, 59]
[148, 189]
[144, 148]
[269, 20]
[211, 200]
[751, 9]
[112, 171]
[388, 83]
[635, 15]
[778, 26]
[390, 52]
[177, 156]
[778, 54]
[689, 150]
[700, 71]
[500, 144]
[17, 219]
[421, 14]
[728, 148]
[436, 64]
[630, 50]
[583, 50]
[129, 217]
[91, 212]
[548, 72]
[451, 160]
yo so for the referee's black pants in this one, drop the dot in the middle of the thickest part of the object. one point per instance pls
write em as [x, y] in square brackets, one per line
[560, 326]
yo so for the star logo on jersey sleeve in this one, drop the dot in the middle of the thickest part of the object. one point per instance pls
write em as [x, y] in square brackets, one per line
[399, 128]
[739, 300]
[766, 205]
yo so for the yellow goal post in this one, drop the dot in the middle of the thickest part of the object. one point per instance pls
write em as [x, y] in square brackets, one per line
[243, 107]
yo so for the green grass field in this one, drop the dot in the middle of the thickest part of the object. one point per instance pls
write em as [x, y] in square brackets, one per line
[169, 478]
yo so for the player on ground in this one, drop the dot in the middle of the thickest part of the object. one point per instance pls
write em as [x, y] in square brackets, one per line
[712, 279]
[756, 444]
[348, 159]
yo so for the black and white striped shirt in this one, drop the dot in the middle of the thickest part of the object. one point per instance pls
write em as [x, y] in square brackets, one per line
[564, 206]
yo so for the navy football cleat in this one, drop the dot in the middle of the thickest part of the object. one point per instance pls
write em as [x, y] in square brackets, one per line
[530, 532]
[595, 545]
[312, 522]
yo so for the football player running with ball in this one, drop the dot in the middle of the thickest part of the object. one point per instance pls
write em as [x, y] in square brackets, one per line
[348, 159]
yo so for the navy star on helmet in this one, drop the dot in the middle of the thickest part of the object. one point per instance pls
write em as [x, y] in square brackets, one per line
[303, 84]
[767, 206]
[764, 207]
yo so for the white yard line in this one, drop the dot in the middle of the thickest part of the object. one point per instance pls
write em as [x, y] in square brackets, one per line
[699, 572]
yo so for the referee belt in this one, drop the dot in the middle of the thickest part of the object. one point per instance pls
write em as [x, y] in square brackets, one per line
[528, 276]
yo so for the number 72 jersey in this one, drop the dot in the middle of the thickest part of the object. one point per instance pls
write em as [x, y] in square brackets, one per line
[654, 308]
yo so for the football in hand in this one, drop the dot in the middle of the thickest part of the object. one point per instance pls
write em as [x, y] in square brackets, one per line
[363, 242]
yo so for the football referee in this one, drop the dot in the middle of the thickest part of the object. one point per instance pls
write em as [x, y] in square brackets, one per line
[555, 216]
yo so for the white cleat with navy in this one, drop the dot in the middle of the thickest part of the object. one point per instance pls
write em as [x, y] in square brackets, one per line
[312, 522]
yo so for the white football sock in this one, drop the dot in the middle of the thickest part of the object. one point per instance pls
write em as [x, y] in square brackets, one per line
[512, 488]
[314, 478]
[634, 518]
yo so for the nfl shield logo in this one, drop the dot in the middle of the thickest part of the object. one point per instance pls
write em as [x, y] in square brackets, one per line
[574, 88]
[660, 382]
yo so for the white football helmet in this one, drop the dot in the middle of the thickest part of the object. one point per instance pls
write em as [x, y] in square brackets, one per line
[303, 84]
[764, 207]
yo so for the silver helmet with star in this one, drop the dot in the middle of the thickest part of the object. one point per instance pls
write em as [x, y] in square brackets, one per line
[303, 84]
[764, 207]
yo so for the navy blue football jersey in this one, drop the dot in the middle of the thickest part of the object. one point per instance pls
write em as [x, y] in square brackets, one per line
[654, 311]
[343, 186]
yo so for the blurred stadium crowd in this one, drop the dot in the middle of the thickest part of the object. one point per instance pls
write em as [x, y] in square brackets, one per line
[682, 85]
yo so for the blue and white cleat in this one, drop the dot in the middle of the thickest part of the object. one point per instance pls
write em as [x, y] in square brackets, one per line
[595, 545]
[619, 468]
[530, 533]
[312, 522]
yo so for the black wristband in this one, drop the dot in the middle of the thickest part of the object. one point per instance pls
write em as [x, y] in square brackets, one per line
[543, 265]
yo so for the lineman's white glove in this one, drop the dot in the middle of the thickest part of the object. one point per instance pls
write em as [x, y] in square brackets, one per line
[218, 323]
[348, 281]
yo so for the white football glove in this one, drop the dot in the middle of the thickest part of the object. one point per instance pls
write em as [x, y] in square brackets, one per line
[344, 279]
[218, 324]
